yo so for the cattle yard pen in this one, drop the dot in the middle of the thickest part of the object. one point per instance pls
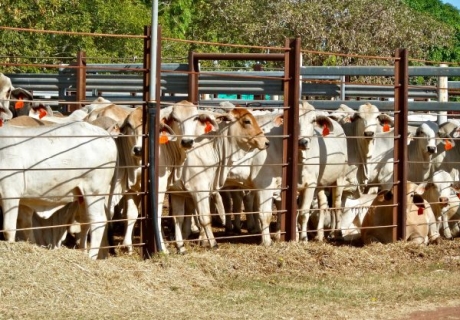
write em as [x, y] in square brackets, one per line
[79, 82]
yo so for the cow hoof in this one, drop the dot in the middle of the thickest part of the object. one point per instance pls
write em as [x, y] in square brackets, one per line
[436, 241]
[303, 239]
[181, 250]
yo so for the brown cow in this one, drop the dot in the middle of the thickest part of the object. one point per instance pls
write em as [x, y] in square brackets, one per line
[420, 220]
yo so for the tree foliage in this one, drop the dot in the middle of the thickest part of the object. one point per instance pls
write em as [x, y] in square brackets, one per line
[429, 29]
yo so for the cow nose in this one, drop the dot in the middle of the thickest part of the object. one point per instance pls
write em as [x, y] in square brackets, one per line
[368, 134]
[303, 144]
[186, 143]
[267, 144]
[137, 151]
[431, 149]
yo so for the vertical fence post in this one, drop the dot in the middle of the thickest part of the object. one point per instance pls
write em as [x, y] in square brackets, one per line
[81, 80]
[147, 232]
[192, 78]
[443, 95]
[290, 144]
[400, 149]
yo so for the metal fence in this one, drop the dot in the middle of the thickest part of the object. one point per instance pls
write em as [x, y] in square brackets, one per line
[319, 85]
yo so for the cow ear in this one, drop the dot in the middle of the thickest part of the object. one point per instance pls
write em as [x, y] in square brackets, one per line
[422, 187]
[386, 121]
[209, 123]
[18, 92]
[325, 123]
[384, 195]
[448, 142]
[278, 121]
[226, 117]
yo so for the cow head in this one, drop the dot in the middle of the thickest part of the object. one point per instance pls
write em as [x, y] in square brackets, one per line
[23, 104]
[425, 137]
[309, 120]
[369, 120]
[5, 95]
[132, 131]
[245, 130]
[188, 123]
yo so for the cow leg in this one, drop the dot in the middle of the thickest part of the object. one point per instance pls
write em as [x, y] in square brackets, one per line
[337, 193]
[220, 208]
[252, 220]
[201, 201]
[10, 219]
[226, 197]
[162, 187]
[178, 206]
[97, 217]
[322, 201]
[433, 230]
[190, 223]
[445, 223]
[132, 213]
[264, 201]
[277, 235]
[306, 199]
[25, 221]
[237, 209]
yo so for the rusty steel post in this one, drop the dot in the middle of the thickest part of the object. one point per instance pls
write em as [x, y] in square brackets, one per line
[290, 144]
[400, 149]
[146, 230]
[81, 81]
[193, 66]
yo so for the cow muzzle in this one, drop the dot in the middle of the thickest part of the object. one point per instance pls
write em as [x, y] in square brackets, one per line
[137, 151]
[369, 134]
[186, 143]
[431, 149]
[303, 144]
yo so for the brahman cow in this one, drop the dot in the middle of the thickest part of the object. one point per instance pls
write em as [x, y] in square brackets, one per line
[378, 226]
[209, 161]
[21, 100]
[444, 200]
[370, 142]
[43, 170]
[423, 150]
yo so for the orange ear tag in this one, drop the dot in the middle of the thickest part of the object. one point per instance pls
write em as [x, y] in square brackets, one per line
[420, 211]
[1, 122]
[325, 131]
[386, 127]
[163, 138]
[208, 127]
[41, 113]
[448, 145]
[458, 195]
[19, 104]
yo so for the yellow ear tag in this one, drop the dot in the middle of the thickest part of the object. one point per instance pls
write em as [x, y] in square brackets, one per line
[208, 127]
[163, 138]
[325, 131]
[386, 127]
[448, 145]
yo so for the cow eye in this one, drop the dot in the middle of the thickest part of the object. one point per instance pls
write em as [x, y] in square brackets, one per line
[247, 121]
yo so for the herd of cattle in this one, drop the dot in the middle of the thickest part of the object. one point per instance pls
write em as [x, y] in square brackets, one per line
[71, 174]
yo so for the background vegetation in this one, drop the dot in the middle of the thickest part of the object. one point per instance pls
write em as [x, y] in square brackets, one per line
[428, 28]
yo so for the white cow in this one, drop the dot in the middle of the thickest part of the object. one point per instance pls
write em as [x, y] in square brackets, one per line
[27, 159]
[370, 141]
[443, 199]
[423, 149]
[209, 162]
[188, 123]
[262, 171]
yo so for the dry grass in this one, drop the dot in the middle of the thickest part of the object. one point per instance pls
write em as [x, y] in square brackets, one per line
[284, 281]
